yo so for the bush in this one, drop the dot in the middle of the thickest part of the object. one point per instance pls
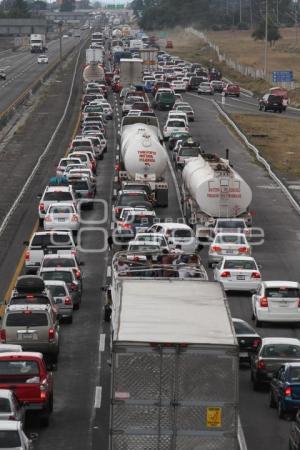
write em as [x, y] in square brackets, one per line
[243, 26]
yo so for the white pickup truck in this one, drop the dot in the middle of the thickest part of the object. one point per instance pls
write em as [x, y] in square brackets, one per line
[45, 243]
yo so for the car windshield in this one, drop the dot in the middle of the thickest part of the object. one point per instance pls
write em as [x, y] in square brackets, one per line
[29, 299]
[58, 275]
[282, 292]
[126, 199]
[58, 262]
[27, 319]
[57, 291]
[243, 328]
[79, 185]
[5, 405]
[230, 239]
[240, 224]
[176, 123]
[240, 264]
[62, 209]
[180, 233]
[19, 367]
[54, 239]
[275, 98]
[57, 196]
[9, 439]
[281, 351]
[189, 152]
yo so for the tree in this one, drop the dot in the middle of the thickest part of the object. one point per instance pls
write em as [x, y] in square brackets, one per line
[260, 33]
[19, 10]
[67, 5]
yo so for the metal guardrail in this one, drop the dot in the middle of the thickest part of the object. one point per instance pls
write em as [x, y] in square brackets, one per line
[9, 112]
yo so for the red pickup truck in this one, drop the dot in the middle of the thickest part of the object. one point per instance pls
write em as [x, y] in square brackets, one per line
[232, 89]
[26, 375]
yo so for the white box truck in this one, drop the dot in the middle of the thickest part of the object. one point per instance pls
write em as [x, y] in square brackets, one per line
[175, 366]
[37, 43]
[131, 71]
[93, 55]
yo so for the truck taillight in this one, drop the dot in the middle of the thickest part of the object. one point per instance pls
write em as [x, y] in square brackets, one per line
[225, 274]
[68, 301]
[42, 206]
[74, 218]
[255, 275]
[261, 364]
[2, 336]
[27, 255]
[43, 389]
[51, 334]
[263, 301]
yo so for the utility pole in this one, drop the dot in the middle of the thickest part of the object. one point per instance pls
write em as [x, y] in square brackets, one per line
[60, 24]
[241, 15]
[266, 41]
[277, 11]
[296, 19]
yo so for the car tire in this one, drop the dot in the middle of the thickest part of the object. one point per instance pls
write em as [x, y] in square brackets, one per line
[280, 410]
[272, 402]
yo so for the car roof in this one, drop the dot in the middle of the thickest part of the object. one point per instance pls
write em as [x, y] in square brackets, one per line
[6, 393]
[56, 269]
[173, 225]
[8, 348]
[61, 204]
[280, 340]
[32, 307]
[143, 243]
[10, 425]
[58, 188]
[293, 284]
[55, 283]
[230, 234]
[238, 258]
[59, 255]
[49, 233]
[21, 355]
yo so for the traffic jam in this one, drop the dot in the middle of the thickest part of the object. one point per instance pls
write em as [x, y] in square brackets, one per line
[159, 265]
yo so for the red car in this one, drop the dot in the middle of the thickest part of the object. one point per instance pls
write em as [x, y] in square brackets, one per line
[169, 44]
[25, 373]
[232, 89]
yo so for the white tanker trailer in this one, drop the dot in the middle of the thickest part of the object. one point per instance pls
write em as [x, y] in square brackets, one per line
[144, 159]
[93, 72]
[212, 189]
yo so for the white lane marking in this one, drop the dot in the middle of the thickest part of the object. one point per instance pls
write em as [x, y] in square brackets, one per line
[241, 436]
[98, 397]
[108, 272]
[175, 181]
[116, 179]
[42, 156]
[102, 342]
[112, 225]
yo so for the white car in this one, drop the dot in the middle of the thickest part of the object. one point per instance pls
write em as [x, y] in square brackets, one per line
[205, 88]
[13, 436]
[173, 125]
[224, 244]
[238, 273]
[178, 115]
[62, 216]
[276, 301]
[176, 234]
[178, 86]
[42, 59]
[64, 163]
[55, 194]
[142, 246]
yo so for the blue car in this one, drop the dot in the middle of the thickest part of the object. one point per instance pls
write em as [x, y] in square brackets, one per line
[285, 389]
[148, 86]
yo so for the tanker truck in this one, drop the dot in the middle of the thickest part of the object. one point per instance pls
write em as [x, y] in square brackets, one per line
[93, 72]
[211, 189]
[144, 159]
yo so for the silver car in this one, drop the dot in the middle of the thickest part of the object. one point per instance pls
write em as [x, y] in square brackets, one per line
[12, 436]
[62, 299]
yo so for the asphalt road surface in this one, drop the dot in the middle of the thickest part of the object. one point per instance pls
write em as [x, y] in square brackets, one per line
[22, 69]
[82, 379]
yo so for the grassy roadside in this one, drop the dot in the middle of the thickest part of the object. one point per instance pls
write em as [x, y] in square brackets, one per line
[277, 140]
[239, 45]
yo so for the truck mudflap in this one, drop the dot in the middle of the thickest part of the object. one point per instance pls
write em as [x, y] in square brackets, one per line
[174, 397]
[161, 194]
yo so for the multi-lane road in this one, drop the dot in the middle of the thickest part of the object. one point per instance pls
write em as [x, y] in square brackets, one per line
[81, 419]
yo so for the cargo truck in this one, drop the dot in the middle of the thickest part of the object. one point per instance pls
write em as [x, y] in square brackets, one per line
[212, 189]
[37, 43]
[175, 366]
[131, 71]
[94, 55]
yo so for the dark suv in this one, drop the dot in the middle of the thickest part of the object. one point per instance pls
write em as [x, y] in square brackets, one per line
[271, 102]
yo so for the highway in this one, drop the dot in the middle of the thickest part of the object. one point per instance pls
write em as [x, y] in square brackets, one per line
[84, 358]
[22, 69]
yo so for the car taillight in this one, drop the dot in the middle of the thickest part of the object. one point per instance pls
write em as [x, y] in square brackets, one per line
[256, 342]
[2, 336]
[68, 301]
[42, 206]
[216, 248]
[117, 210]
[263, 301]
[261, 364]
[225, 274]
[243, 250]
[74, 287]
[73, 252]
[74, 218]
[43, 389]
[27, 255]
[298, 302]
[51, 334]
[78, 274]
[255, 275]
[288, 391]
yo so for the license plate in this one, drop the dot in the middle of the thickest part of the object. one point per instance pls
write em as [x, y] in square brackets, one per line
[61, 220]
[283, 304]
[27, 336]
[244, 355]
[240, 277]
[229, 252]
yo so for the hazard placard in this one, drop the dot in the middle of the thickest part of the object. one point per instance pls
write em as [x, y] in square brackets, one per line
[214, 417]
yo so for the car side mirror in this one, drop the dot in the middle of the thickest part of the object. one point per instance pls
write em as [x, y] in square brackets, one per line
[39, 196]
[259, 266]
[25, 242]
